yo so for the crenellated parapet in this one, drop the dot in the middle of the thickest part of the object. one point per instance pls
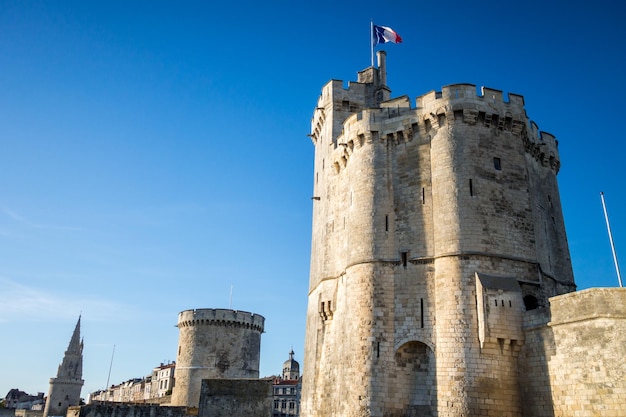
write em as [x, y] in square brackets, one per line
[460, 102]
[221, 317]
[397, 121]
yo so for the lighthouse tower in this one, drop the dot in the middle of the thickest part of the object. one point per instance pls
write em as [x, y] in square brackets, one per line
[435, 227]
[65, 388]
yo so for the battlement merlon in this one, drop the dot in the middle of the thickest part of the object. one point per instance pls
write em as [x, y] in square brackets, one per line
[219, 315]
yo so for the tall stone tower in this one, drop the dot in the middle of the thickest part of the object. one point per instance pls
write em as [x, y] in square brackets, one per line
[215, 344]
[434, 228]
[65, 388]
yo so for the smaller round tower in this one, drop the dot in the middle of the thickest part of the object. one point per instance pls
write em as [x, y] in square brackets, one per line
[214, 344]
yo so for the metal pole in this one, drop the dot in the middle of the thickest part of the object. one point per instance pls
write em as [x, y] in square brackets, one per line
[110, 366]
[372, 40]
[608, 227]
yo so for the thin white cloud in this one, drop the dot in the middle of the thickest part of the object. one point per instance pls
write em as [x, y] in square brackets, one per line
[20, 219]
[16, 217]
[23, 302]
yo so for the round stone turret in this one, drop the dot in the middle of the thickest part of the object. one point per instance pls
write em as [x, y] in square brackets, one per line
[213, 344]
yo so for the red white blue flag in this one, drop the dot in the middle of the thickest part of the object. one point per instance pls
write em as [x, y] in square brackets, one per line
[384, 34]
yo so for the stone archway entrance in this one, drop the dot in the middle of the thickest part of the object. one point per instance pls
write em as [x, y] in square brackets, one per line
[412, 392]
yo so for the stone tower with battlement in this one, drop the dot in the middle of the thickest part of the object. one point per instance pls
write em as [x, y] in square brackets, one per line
[65, 388]
[215, 344]
[435, 227]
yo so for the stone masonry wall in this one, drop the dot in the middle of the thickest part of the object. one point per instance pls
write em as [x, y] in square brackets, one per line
[236, 397]
[581, 351]
[125, 410]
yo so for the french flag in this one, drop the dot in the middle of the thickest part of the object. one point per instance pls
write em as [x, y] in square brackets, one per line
[383, 34]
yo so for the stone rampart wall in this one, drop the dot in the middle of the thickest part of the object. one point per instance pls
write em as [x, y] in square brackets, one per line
[574, 364]
[236, 397]
[125, 410]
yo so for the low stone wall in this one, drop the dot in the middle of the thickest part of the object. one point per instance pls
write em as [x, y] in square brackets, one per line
[236, 397]
[7, 412]
[574, 365]
[588, 370]
[28, 413]
[107, 409]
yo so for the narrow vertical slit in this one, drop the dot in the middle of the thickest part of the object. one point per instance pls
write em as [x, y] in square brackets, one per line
[471, 187]
[386, 223]
[422, 311]
[423, 196]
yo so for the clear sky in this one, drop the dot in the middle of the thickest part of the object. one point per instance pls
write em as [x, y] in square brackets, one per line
[154, 155]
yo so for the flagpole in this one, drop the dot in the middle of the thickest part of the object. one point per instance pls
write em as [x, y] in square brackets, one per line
[372, 40]
[110, 367]
[608, 226]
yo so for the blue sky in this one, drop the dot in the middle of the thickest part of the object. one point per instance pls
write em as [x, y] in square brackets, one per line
[154, 154]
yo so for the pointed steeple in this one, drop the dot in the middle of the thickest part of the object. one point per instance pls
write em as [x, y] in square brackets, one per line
[65, 388]
[76, 344]
[72, 365]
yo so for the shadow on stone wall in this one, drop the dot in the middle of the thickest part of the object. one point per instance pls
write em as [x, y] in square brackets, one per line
[534, 372]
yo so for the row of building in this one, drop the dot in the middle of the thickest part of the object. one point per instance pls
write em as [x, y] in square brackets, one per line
[158, 386]
[148, 389]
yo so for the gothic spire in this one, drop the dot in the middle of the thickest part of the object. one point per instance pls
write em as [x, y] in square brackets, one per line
[76, 345]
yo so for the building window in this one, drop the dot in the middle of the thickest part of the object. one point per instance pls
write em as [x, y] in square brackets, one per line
[497, 164]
